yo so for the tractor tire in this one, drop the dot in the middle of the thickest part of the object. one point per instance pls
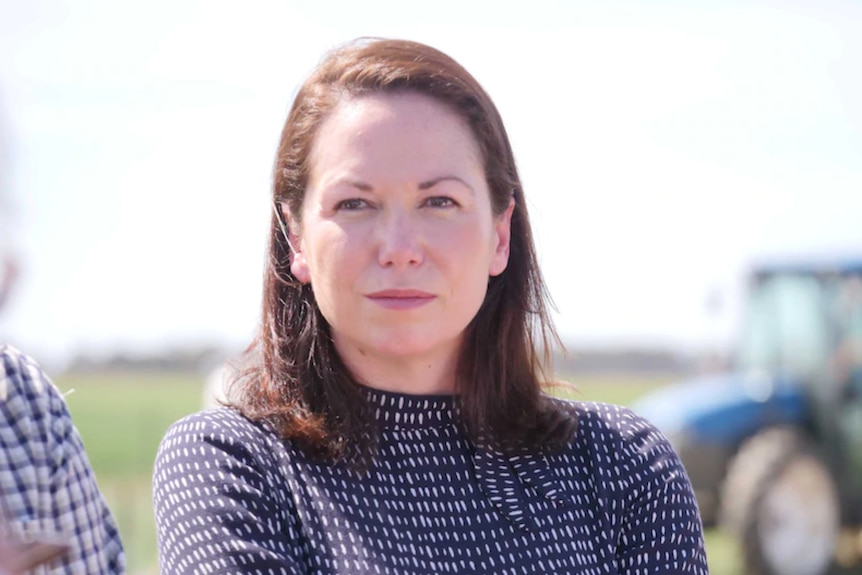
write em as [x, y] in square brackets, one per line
[794, 521]
[756, 457]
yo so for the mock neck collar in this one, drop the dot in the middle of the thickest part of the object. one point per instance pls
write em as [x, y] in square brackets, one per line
[502, 477]
[394, 410]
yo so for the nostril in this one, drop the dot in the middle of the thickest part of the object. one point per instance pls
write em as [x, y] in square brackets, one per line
[401, 250]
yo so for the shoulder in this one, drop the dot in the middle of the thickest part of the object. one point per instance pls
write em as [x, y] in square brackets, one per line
[617, 436]
[220, 424]
[220, 438]
[605, 419]
[631, 467]
[219, 457]
[28, 397]
[22, 377]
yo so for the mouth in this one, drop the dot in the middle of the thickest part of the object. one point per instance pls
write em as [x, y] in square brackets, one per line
[401, 298]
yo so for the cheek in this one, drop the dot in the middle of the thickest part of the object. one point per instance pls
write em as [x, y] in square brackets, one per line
[331, 259]
[467, 245]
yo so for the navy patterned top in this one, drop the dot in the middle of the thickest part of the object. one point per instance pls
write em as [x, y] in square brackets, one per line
[231, 497]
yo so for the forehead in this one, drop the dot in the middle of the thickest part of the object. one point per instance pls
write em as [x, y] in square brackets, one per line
[400, 125]
[383, 105]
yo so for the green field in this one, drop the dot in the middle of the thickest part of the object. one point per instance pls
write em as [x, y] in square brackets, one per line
[122, 418]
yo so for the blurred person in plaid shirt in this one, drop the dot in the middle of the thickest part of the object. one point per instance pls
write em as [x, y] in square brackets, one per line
[53, 509]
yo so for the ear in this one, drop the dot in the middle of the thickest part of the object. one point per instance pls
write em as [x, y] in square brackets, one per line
[298, 263]
[503, 236]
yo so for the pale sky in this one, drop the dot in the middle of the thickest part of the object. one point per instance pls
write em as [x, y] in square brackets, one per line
[662, 146]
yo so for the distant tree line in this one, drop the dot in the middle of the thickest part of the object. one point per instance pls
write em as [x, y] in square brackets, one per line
[609, 359]
[203, 358]
[186, 359]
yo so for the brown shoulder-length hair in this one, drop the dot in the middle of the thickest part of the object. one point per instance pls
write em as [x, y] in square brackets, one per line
[297, 381]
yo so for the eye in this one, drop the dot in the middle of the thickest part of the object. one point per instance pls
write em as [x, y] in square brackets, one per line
[440, 202]
[351, 204]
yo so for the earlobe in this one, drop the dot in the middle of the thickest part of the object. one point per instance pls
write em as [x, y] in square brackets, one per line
[298, 263]
[299, 267]
[503, 233]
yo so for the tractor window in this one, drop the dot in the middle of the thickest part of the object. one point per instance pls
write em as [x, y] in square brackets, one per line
[847, 318]
[786, 328]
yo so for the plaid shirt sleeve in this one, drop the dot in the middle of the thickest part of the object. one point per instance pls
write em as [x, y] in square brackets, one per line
[46, 483]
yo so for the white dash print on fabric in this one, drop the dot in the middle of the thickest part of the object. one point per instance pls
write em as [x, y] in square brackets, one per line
[230, 497]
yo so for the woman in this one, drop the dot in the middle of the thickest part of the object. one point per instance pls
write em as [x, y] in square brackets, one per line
[392, 419]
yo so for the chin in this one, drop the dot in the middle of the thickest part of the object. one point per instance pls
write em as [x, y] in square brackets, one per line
[408, 345]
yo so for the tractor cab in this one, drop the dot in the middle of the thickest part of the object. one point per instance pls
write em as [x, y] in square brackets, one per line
[804, 325]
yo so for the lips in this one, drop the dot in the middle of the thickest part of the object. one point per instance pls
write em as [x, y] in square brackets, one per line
[401, 299]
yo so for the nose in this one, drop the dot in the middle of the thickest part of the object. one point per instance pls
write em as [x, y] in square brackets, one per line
[399, 240]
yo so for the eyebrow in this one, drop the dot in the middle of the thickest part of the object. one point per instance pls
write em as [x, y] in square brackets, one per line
[427, 185]
[431, 183]
[359, 185]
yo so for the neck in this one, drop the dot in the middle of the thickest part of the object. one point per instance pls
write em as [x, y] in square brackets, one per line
[431, 374]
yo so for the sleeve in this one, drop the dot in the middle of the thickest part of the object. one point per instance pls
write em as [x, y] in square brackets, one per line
[47, 486]
[220, 503]
[661, 530]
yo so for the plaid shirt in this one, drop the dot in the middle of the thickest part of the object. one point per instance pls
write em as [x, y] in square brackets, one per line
[46, 482]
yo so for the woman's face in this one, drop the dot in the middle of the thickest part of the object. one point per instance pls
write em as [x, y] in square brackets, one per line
[397, 235]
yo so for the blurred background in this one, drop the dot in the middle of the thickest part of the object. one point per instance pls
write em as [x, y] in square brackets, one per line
[664, 146]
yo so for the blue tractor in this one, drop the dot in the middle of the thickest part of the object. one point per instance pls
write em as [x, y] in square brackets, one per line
[773, 447]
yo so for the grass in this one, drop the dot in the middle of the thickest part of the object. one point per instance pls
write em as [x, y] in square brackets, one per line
[138, 407]
[122, 418]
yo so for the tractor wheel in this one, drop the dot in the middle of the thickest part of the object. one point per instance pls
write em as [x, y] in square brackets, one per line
[756, 457]
[793, 523]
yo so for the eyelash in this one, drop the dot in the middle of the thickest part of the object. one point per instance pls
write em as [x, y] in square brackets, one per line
[353, 204]
[434, 202]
